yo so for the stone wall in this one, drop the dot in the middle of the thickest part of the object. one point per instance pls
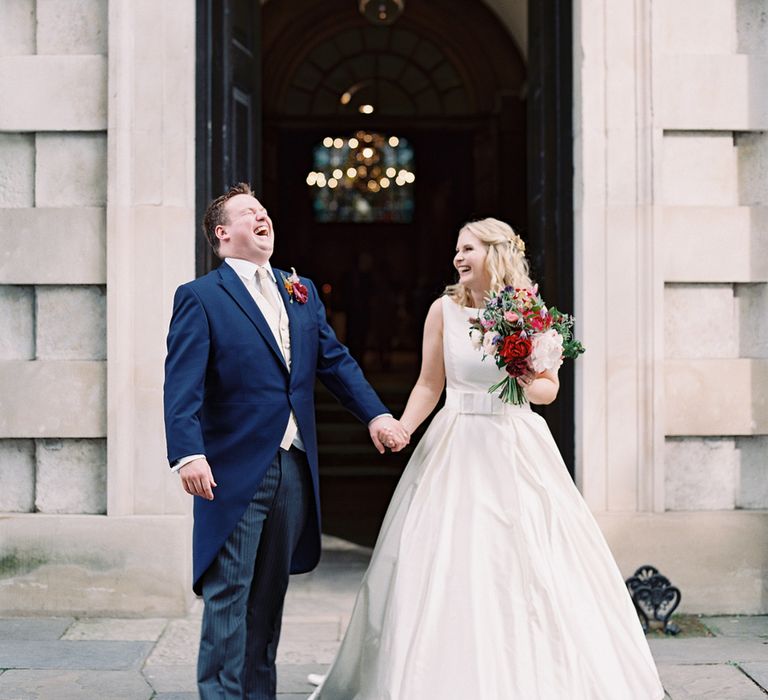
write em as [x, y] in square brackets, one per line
[53, 173]
[97, 128]
[671, 272]
[711, 98]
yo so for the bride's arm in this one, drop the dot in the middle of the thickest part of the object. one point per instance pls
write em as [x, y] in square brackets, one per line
[543, 388]
[426, 392]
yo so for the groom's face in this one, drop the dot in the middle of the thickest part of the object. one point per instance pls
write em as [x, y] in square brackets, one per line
[248, 233]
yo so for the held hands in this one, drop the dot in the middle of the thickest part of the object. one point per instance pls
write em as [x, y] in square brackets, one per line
[387, 432]
[525, 380]
[197, 479]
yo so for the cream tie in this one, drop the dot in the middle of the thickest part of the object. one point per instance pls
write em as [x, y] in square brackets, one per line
[267, 288]
[268, 291]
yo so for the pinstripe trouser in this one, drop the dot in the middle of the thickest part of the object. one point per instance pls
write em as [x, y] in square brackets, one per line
[245, 587]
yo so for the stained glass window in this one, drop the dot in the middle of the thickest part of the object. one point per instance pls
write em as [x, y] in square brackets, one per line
[364, 178]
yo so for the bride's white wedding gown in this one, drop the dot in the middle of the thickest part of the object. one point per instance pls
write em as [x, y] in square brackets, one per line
[490, 579]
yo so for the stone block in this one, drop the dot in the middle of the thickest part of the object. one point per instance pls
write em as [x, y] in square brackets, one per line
[70, 656]
[706, 682]
[691, 311]
[17, 27]
[53, 93]
[753, 160]
[753, 486]
[751, 27]
[116, 629]
[178, 645]
[701, 474]
[699, 168]
[738, 626]
[713, 244]
[703, 27]
[752, 305]
[174, 679]
[17, 170]
[67, 684]
[34, 629]
[699, 400]
[113, 566]
[697, 652]
[53, 399]
[716, 558]
[17, 324]
[757, 671]
[72, 26]
[711, 92]
[71, 476]
[17, 475]
[71, 323]
[71, 170]
[53, 246]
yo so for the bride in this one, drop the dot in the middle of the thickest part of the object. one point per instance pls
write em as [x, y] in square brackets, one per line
[490, 578]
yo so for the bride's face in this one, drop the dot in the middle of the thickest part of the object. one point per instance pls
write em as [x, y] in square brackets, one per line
[469, 260]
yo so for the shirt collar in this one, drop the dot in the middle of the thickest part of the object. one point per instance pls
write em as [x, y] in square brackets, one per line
[247, 269]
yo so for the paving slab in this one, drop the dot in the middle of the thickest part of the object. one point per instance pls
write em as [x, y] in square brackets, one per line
[116, 629]
[738, 625]
[311, 631]
[757, 671]
[178, 644]
[708, 650]
[73, 685]
[95, 656]
[708, 682]
[292, 678]
[176, 696]
[34, 628]
[172, 679]
[296, 651]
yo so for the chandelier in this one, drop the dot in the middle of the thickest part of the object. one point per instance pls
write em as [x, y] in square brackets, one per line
[366, 162]
[381, 11]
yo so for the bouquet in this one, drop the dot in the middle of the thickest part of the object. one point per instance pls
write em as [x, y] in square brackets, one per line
[521, 334]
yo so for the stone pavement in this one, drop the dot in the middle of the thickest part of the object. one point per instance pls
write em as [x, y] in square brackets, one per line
[141, 659]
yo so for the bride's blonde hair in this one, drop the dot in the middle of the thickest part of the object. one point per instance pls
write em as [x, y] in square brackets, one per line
[506, 262]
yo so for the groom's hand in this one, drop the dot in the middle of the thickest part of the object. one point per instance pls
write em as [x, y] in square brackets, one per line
[385, 431]
[197, 479]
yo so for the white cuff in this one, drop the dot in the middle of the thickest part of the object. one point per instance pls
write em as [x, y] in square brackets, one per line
[185, 460]
[381, 415]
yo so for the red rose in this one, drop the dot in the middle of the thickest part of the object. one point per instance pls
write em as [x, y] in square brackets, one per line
[300, 292]
[515, 347]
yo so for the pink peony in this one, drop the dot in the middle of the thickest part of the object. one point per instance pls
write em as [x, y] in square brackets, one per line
[547, 352]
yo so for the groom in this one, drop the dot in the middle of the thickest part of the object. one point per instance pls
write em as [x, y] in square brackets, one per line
[245, 345]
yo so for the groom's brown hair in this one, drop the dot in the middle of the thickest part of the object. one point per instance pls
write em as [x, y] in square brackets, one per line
[215, 215]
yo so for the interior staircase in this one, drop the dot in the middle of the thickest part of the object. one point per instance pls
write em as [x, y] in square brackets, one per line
[356, 482]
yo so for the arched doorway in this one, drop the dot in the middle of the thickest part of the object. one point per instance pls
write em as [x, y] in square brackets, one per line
[448, 78]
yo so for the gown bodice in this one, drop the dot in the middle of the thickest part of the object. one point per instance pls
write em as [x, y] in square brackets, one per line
[468, 375]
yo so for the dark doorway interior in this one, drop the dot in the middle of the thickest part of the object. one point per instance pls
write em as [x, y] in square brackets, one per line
[481, 149]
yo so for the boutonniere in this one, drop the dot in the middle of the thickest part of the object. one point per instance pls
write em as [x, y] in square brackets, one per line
[296, 290]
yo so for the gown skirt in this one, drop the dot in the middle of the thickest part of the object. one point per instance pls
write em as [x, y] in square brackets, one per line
[490, 579]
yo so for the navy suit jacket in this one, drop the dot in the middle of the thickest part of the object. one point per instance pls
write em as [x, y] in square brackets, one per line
[228, 395]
